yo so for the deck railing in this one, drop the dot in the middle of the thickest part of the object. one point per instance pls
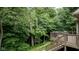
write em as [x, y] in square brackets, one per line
[68, 39]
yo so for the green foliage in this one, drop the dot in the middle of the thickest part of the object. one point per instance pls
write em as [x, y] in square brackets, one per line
[66, 19]
[13, 43]
[19, 24]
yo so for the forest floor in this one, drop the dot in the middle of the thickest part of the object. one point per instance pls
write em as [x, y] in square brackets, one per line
[41, 47]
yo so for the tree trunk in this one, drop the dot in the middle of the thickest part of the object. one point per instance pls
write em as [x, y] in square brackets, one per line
[44, 39]
[1, 33]
[31, 25]
[32, 41]
[31, 29]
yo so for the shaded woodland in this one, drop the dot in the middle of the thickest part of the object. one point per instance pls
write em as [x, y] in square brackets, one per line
[22, 28]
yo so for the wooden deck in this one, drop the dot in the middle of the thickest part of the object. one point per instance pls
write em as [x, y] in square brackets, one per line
[62, 40]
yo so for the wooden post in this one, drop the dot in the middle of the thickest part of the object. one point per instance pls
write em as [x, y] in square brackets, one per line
[65, 45]
[77, 27]
[65, 41]
[50, 36]
[77, 32]
[76, 14]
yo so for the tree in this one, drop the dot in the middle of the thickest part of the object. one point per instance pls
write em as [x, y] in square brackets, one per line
[66, 19]
[1, 33]
[27, 27]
